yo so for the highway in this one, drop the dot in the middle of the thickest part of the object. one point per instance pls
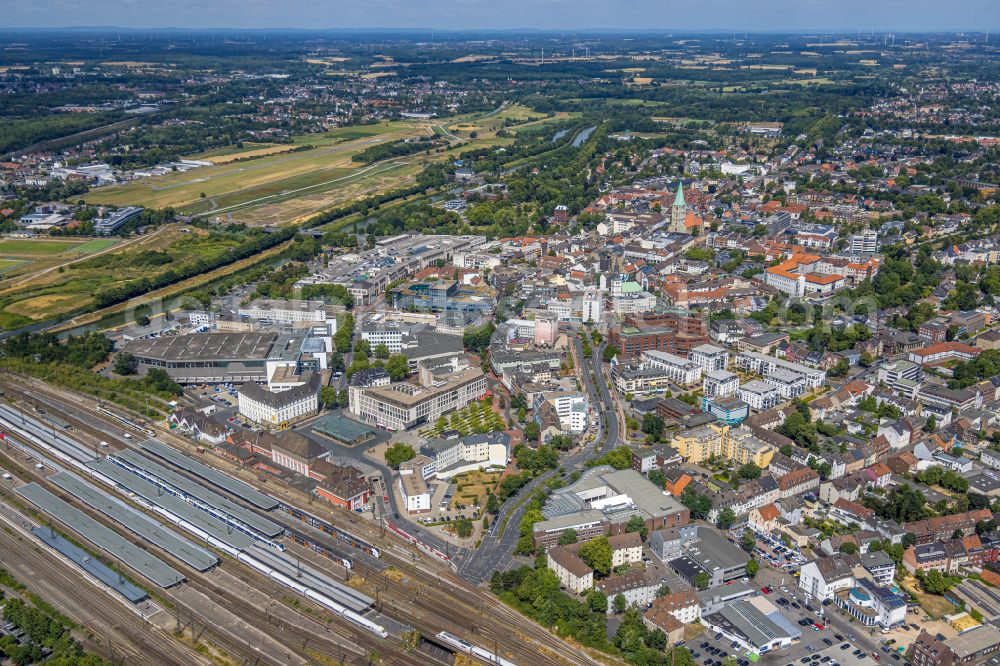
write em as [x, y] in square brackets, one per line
[497, 550]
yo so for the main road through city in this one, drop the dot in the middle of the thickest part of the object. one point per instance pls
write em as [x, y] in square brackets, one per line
[497, 550]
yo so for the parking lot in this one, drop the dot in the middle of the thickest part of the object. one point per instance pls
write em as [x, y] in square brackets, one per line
[772, 551]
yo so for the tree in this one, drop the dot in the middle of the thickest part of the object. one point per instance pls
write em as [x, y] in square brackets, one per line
[849, 548]
[363, 347]
[653, 426]
[381, 351]
[658, 478]
[748, 541]
[329, 397]
[399, 453]
[567, 537]
[637, 524]
[663, 591]
[124, 363]
[931, 424]
[752, 568]
[598, 555]
[609, 353]
[463, 528]
[698, 505]
[597, 601]
[620, 603]
[398, 367]
[531, 431]
[726, 518]
[749, 471]
[701, 581]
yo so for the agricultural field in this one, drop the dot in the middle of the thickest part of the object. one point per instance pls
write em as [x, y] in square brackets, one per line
[50, 287]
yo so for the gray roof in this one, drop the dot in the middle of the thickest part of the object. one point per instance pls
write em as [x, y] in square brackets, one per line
[149, 493]
[975, 640]
[713, 551]
[204, 346]
[146, 565]
[210, 474]
[147, 528]
[198, 492]
[758, 628]
[279, 399]
[94, 567]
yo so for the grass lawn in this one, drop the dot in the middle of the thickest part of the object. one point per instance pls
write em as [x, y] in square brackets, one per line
[35, 247]
[95, 245]
[472, 487]
[55, 293]
[7, 264]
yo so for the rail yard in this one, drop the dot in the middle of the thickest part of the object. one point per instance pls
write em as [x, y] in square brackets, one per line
[336, 586]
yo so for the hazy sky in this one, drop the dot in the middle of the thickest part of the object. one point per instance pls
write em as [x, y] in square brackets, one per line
[739, 15]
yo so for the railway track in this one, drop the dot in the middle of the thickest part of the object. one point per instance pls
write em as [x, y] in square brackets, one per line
[290, 621]
[454, 605]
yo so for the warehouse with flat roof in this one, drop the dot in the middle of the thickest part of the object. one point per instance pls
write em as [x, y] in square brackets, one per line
[206, 357]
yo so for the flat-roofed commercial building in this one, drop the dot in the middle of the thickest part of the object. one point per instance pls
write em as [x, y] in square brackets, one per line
[288, 311]
[442, 388]
[206, 357]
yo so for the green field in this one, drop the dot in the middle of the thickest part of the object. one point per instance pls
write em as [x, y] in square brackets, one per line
[287, 187]
[245, 185]
[35, 247]
[7, 264]
[95, 245]
[50, 293]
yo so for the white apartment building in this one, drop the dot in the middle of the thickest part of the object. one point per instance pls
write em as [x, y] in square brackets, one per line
[709, 357]
[457, 456]
[759, 395]
[592, 307]
[821, 578]
[864, 243]
[413, 489]
[677, 368]
[289, 312]
[767, 365]
[720, 384]
[276, 409]
[572, 410]
[788, 383]
[383, 334]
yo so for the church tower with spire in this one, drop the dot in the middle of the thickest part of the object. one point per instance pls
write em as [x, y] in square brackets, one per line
[678, 211]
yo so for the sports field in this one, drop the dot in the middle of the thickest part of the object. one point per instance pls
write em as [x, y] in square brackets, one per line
[35, 247]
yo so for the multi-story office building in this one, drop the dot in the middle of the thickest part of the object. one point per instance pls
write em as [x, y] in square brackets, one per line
[289, 312]
[767, 365]
[443, 386]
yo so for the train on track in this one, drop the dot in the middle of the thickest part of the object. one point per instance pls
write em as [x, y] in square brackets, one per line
[76, 457]
[333, 530]
[127, 422]
[461, 645]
